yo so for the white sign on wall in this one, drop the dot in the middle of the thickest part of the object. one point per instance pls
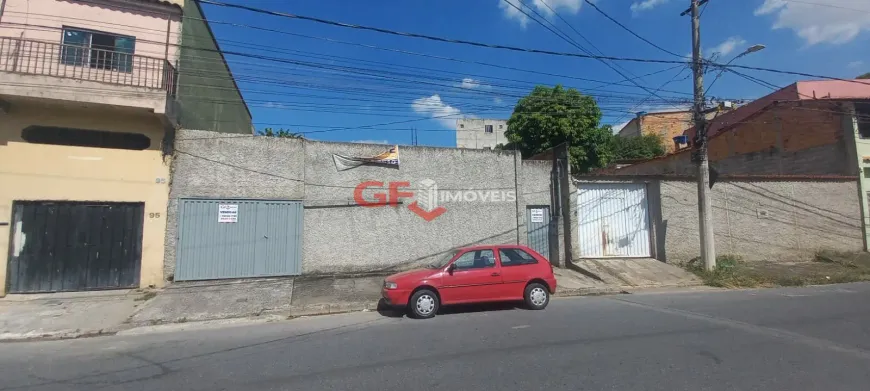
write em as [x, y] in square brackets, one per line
[228, 213]
[537, 215]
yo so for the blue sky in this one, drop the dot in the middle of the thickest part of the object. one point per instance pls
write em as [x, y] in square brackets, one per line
[333, 85]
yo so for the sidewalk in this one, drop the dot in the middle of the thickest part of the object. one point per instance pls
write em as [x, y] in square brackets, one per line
[73, 315]
[66, 315]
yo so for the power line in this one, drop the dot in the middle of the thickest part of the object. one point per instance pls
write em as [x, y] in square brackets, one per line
[430, 37]
[827, 5]
[630, 30]
[494, 46]
[574, 43]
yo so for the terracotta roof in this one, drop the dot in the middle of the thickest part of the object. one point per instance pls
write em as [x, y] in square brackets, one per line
[802, 90]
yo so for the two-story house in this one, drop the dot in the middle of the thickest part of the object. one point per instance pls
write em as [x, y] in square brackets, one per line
[91, 92]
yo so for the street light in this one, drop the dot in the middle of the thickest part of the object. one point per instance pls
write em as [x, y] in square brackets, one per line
[751, 49]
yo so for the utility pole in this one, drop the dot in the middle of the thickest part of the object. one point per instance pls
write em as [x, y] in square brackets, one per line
[705, 210]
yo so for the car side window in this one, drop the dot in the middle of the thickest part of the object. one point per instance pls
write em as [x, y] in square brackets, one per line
[477, 259]
[516, 257]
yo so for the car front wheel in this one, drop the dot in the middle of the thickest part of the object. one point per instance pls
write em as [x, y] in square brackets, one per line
[537, 296]
[423, 304]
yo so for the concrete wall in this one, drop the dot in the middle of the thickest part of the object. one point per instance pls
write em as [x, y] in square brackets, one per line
[340, 236]
[215, 165]
[208, 97]
[757, 219]
[858, 153]
[52, 172]
[470, 133]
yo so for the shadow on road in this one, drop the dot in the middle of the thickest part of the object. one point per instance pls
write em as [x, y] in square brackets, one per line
[392, 312]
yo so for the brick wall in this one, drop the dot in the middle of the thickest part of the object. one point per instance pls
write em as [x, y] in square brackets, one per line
[801, 138]
[667, 126]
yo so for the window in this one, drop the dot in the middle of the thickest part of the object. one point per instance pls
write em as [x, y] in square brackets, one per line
[488, 148]
[862, 111]
[85, 138]
[477, 259]
[97, 50]
[487, 128]
[501, 126]
[461, 126]
[515, 257]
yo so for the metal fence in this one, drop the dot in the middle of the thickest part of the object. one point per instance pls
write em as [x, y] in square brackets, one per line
[86, 63]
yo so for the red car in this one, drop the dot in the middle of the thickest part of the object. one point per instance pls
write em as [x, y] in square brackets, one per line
[473, 275]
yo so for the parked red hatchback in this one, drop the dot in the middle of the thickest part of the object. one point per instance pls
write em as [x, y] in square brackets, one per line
[473, 275]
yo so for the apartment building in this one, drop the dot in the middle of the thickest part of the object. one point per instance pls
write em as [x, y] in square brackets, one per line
[91, 92]
[480, 133]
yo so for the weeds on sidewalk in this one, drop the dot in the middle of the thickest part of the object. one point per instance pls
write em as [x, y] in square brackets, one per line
[146, 296]
[828, 267]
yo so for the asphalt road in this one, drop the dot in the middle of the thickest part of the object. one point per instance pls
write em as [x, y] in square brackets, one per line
[785, 339]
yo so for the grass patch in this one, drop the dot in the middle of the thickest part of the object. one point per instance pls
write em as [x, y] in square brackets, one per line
[828, 267]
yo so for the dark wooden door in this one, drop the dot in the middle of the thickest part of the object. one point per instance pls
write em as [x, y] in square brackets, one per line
[74, 246]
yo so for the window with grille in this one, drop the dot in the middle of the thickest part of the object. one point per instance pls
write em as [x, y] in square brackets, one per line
[487, 128]
[94, 49]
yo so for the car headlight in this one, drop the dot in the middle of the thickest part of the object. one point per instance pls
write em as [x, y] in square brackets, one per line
[390, 285]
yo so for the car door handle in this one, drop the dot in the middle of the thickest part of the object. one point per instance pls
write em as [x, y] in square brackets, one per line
[495, 274]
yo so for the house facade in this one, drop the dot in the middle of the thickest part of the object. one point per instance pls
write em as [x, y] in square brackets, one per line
[666, 125]
[89, 103]
[811, 128]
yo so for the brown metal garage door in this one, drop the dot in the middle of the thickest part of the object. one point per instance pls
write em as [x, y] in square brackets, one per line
[74, 246]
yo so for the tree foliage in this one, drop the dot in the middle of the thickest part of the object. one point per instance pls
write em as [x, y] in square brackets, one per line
[548, 117]
[864, 76]
[282, 133]
[644, 147]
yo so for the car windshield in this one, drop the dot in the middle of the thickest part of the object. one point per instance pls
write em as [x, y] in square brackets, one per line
[442, 261]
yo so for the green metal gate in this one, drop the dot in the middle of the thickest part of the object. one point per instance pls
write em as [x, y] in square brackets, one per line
[238, 238]
[538, 229]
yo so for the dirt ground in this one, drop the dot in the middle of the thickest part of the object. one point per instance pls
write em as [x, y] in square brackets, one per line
[827, 268]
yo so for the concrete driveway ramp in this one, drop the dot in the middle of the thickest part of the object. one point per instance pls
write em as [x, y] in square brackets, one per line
[636, 272]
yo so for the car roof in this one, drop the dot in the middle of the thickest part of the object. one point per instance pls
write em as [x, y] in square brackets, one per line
[489, 246]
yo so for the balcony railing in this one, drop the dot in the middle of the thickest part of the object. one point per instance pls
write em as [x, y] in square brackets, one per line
[86, 63]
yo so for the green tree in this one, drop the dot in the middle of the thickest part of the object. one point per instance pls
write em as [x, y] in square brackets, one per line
[282, 133]
[644, 147]
[864, 76]
[550, 116]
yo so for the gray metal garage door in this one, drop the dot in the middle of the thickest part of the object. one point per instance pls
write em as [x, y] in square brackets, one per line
[238, 239]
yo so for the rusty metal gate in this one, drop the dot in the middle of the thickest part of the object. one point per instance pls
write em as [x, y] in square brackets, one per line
[74, 246]
[613, 220]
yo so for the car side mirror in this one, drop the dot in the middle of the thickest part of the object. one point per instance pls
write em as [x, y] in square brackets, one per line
[451, 268]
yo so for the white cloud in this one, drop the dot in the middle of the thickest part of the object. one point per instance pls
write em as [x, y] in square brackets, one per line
[569, 6]
[472, 84]
[645, 5]
[371, 141]
[855, 64]
[274, 105]
[497, 100]
[434, 107]
[830, 21]
[727, 46]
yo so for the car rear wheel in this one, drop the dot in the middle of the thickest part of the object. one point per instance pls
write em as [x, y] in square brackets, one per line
[423, 304]
[537, 296]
